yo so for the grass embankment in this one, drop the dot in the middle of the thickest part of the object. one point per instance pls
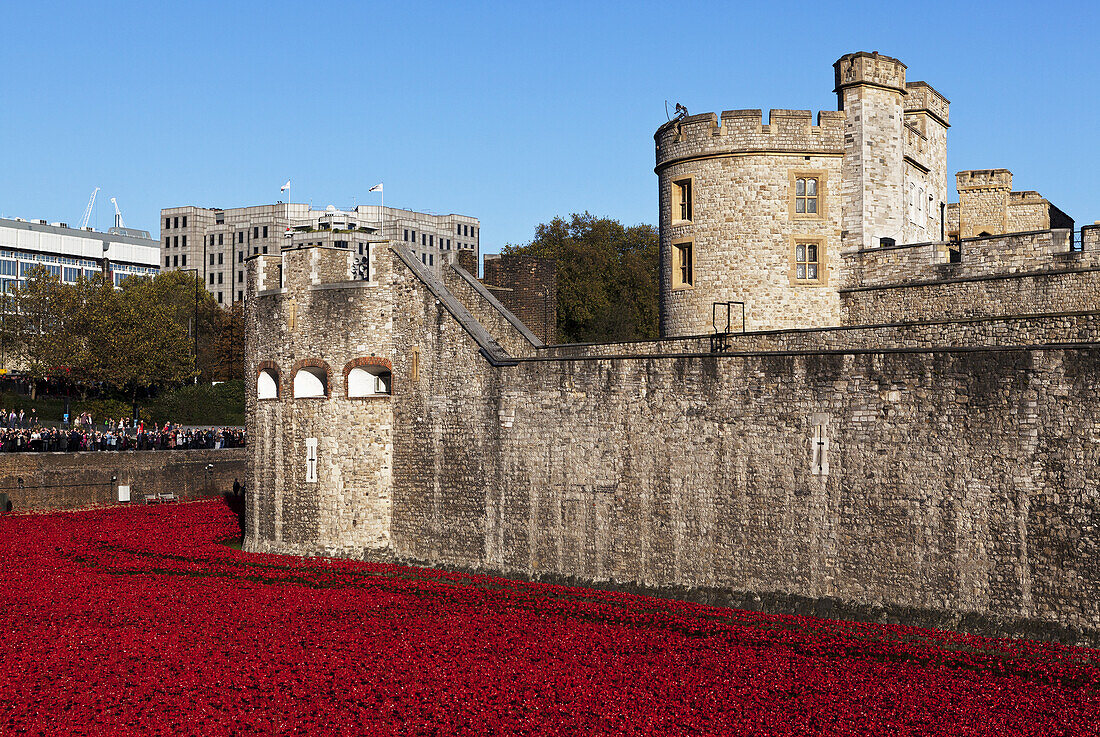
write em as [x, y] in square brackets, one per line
[200, 404]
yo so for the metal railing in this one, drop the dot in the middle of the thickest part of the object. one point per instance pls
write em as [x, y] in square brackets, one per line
[720, 340]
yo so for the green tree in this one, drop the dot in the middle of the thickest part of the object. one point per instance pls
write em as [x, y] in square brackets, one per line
[145, 345]
[37, 325]
[607, 276]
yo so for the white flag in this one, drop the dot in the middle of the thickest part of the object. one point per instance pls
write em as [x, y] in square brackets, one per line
[376, 188]
[285, 187]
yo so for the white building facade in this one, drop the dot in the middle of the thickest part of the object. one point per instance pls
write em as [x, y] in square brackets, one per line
[70, 253]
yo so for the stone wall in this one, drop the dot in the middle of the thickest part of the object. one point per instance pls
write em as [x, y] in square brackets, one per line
[956, 480]
[334, 326]
[50, 481]
[1015, 253]
[528, 288]
[1005, 295]
[950, 479]
[983, 201]
[743, 236]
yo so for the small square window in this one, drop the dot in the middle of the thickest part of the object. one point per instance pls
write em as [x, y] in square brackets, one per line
[808, 262]
[806, 193]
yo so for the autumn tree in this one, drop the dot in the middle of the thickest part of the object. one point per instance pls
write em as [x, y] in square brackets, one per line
[607, 276]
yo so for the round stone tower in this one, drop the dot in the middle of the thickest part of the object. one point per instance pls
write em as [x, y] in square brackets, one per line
[750, 212]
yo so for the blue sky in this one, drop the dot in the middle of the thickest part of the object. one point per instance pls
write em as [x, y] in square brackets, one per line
[510, 112]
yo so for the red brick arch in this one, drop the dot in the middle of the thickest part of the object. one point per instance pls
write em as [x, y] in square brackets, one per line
[310, 363]
[365, 361]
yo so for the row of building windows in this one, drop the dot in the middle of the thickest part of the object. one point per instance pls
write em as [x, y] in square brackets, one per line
[174, 222]
[428, 240]
[174, 240]
[468, 231]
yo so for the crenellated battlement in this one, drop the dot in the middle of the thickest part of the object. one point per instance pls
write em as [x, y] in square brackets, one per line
[869, 68]
[744, 131]
[923, 98]
[983, 179]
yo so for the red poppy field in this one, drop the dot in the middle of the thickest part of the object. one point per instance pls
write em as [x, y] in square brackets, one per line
[139, 621]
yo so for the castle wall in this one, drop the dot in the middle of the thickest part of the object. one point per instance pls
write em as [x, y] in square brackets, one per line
[925, 148]
[318, 318]
[528, 288]
[955, 480]
[1004, 275]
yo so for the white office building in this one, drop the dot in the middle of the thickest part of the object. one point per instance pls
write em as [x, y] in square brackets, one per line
[72, 252]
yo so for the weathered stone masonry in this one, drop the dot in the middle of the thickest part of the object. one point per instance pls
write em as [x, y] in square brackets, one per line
[956, 479]
[918, 433]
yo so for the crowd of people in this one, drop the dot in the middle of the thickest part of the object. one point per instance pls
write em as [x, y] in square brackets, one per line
[22, 432]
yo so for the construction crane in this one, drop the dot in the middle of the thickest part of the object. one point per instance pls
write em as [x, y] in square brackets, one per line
[88, 209]
[118, 215]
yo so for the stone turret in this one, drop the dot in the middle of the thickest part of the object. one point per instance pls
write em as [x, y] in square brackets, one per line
[870, 88]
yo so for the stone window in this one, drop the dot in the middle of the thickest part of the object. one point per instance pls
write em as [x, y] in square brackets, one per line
[369, 381]
[184, 260]
[176, 222]
[682, 204]
[265, 231]
[185, 221]
[267, 384]
[211, 259]
[167, 222]
[167, 261]
[807, 195]
[221, 237]
[310, 381]
[808, 261]
[683, 265]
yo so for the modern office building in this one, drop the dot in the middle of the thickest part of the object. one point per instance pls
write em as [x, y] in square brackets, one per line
[71, 252]
[216, 241]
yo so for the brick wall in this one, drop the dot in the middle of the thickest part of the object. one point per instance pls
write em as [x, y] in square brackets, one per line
[70, 480]
[528, 287]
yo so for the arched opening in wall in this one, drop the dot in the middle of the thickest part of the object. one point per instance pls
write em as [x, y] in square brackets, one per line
[310, 381]
[983, 234]
[369, 381]
[267, 384]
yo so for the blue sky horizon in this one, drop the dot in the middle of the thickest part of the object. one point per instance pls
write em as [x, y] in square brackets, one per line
[512, 113]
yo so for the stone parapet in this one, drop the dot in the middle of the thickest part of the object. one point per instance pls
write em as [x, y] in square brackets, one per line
[744, 131]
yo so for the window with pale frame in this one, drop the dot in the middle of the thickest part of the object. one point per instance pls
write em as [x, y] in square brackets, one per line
[805, 195]
[806, 262]
[682, 271]
[682, 192]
